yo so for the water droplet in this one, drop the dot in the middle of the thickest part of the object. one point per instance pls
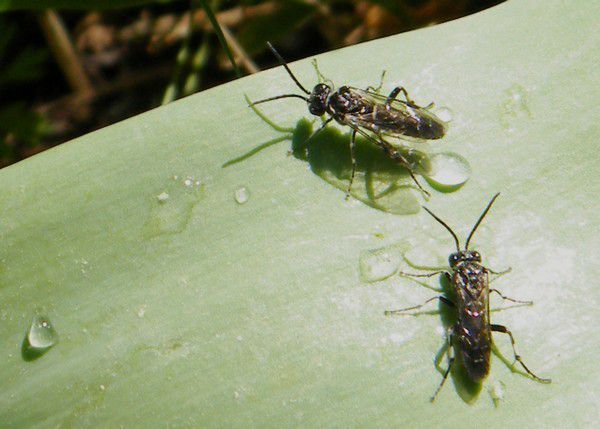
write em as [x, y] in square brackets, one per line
[41, 336]
[444, 113]
[496, 392]
[83, 263]
[515, 107]
[241, 195]
[172, 208]
[379, 264]
[448, 171]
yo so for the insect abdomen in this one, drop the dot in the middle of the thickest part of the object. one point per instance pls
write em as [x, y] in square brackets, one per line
[470, 281]
[475, 346]
[425, 128]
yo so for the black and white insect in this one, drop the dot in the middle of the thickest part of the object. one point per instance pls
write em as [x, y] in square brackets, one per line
[369, 114]
[473, 329]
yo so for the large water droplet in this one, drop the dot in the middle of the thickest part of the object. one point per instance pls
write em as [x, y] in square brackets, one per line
[41, 336]
[448, 171]
[379, 264]
[241, 195]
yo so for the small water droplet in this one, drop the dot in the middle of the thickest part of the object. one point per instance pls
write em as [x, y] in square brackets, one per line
[241, 195]
[444, 113]
[162, 197]
[515, 107]
[448, 171]
[379, 264]
[41, 336]
[83, 264]
[172, 207]
[496, 392]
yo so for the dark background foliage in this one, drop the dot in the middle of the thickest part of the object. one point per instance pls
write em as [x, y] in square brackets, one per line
[68, 68]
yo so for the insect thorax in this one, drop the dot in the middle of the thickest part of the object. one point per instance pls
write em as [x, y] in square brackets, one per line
[469, 279]
[344, 102]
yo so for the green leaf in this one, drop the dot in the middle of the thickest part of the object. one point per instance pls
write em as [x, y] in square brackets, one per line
[176, 306]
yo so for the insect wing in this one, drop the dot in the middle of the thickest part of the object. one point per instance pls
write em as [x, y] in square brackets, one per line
[398, 119]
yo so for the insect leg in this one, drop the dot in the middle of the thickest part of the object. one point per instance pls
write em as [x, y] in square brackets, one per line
[394, 94]
[416, 307]
[435, 273]
[378, 87]
[450, 353]
[504, 330]
[393, 154]
[320, 76]
[511, 299]
[397, 156]
[499, 273]
[321, 128]
[353, 160]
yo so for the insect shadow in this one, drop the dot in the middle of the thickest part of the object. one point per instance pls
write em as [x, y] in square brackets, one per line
[30, 353]
[379, 181]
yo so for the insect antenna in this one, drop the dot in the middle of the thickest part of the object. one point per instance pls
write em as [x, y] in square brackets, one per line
[284, 64]
[445, 226]
[487, 209]
[278, 97]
